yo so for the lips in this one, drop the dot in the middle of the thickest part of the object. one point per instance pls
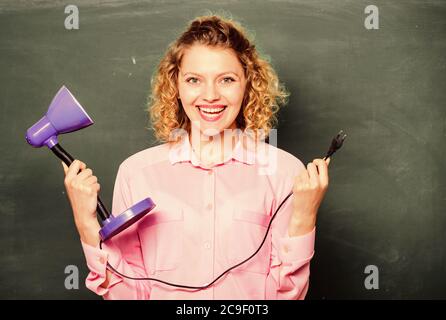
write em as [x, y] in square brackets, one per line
[211, 108]
[211, 112]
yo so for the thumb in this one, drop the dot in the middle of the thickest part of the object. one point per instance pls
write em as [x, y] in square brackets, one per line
[328, 161]
[65, 168]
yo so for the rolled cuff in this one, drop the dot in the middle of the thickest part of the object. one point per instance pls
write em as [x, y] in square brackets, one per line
[298, 248]
[97, 264]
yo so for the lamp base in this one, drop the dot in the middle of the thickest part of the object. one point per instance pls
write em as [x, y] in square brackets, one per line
[114, 225]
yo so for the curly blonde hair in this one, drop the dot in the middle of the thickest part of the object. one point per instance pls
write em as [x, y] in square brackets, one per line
[263, 93]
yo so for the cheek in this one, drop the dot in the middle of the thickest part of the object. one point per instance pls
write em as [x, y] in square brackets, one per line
[234, 94]
[187, 94]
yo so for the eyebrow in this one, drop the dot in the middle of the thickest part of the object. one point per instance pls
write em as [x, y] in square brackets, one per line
[218, 75]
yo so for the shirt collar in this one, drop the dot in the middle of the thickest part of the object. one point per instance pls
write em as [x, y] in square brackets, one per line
[182, 151]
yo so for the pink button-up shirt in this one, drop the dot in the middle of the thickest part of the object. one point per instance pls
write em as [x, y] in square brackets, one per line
[205, 221]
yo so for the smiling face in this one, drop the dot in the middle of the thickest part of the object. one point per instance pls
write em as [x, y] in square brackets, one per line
[211, 86]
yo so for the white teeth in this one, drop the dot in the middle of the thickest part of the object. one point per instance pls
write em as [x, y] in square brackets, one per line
[211, 110]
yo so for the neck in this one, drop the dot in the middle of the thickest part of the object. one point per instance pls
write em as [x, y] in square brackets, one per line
[213, 149]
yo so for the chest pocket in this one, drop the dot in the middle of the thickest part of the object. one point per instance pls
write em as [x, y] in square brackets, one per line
[248, 231]
[161, 235]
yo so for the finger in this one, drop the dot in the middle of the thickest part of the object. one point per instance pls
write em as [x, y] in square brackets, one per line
[328, 160]
[303, 176]
[74, 169]
[93, 188]
[297, 181]
[319, 162]
[323, 171]
[65, 168]
[86, 173]
[312, 172]
[91, 180]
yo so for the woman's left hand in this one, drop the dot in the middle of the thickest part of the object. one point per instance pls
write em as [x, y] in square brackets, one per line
[309, 190]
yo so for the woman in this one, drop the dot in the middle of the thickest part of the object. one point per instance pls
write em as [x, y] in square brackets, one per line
[215, 183]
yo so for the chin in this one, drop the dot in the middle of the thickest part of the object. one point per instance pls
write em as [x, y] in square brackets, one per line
[211, 130]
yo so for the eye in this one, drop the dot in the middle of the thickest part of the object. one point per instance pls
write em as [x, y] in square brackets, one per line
[192, 80]
[228, 80]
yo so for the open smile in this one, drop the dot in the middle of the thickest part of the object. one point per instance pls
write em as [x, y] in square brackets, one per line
[211, 113]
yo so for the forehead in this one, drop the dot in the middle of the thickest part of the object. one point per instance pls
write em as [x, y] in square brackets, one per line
[207, 60]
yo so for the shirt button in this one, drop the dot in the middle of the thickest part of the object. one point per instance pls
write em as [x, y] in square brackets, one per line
[210, 172]
[102, 260]
[207, 245]
[209, 206]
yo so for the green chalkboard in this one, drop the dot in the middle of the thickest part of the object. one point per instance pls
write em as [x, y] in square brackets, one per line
[384, 87]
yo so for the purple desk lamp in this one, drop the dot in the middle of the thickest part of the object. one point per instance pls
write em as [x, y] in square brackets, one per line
[64, 115]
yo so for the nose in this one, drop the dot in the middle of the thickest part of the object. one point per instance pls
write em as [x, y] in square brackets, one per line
[211, 93]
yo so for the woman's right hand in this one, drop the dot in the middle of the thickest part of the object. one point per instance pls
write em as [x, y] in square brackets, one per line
[82, 189]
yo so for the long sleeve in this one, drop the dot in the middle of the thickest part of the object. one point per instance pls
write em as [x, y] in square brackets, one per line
[290, 269]
[289, 274]
[123, 252]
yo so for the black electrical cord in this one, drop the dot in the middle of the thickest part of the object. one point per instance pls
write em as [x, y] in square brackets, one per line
[221, 275]
[336, 143]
